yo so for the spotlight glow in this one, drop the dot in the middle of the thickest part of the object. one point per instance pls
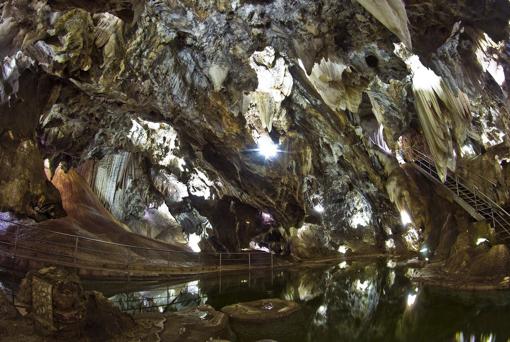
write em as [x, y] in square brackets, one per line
[362, 285]
[405, 217]
[266, 147]
[193, 241]
[342, 249]
[411, 299]
[319, 208]
[481, 240]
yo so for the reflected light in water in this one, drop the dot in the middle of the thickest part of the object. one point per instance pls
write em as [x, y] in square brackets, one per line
[342, 249]
[459, 337]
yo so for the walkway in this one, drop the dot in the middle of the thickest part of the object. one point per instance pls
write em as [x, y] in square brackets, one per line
[34, 247]
[479, 205]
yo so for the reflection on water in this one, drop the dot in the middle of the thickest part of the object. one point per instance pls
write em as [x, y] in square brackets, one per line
[348, 302]
[169, 298]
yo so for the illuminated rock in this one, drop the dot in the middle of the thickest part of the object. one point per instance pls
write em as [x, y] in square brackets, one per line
[266, 318]
[196, 324]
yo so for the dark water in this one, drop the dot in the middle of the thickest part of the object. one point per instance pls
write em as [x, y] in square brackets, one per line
[369, 301]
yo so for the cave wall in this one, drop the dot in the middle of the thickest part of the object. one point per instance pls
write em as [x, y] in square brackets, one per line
[163, 102]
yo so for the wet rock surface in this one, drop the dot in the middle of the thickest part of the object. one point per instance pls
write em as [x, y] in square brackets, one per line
[196, 324]
[52, 306]
[271, 318]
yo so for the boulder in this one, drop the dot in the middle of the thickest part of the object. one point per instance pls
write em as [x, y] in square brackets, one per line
[493, 263]
[265, 319]
[201, 323]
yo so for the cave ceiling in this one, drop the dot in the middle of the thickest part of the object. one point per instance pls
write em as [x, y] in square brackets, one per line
[163, 102]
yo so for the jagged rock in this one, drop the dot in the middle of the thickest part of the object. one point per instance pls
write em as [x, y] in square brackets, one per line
[7, 309]
[310, 241]
[104, 320]
[165, 103]
[55, 302]
[493, 263]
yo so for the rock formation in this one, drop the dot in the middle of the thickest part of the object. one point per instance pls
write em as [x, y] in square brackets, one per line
[164, 107]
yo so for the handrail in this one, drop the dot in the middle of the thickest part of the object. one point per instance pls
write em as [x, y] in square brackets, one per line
[428, 158]
[493, 210]
[81, 237]
[39, 248]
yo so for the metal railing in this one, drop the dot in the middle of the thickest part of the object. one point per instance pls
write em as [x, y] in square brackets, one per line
[480, 202]
[20, 241]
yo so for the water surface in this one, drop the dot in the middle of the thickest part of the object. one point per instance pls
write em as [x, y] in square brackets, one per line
[351, 301]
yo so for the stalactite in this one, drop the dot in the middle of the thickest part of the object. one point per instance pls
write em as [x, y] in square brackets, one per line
[332, 79]
[392, 14]
[444, 116]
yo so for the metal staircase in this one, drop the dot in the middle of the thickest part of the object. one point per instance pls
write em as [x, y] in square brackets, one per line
[475, 202]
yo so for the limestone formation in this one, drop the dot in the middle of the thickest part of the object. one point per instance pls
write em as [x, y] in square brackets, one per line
[223, 125]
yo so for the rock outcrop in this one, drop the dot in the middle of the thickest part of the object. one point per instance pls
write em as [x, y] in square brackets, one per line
[165, 108]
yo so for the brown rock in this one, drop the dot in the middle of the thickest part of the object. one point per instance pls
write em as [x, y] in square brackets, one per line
[495, 262]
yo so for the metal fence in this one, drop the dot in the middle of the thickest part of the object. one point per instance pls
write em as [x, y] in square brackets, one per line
[19, 241]
[470, 193]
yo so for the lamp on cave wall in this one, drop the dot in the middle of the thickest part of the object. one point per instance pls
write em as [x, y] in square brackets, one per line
[319, 208]
[405, 217]
[266, 147]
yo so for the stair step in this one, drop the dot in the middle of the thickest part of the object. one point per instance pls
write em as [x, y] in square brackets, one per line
[484, 207]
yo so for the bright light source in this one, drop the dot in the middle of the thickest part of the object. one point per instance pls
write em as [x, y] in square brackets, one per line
[362, 286]
[424, 250]
[468, 151]
[343, 265]
[193, 241]
[390, 244]
[266, 147]
[322, 310]
[319, 208]
[267, 218]
[481, 240]
[405, 217]
[255, 246]
[411, 299]
[423, 78]
[192, 287]
[361, 218]
[342, 249]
